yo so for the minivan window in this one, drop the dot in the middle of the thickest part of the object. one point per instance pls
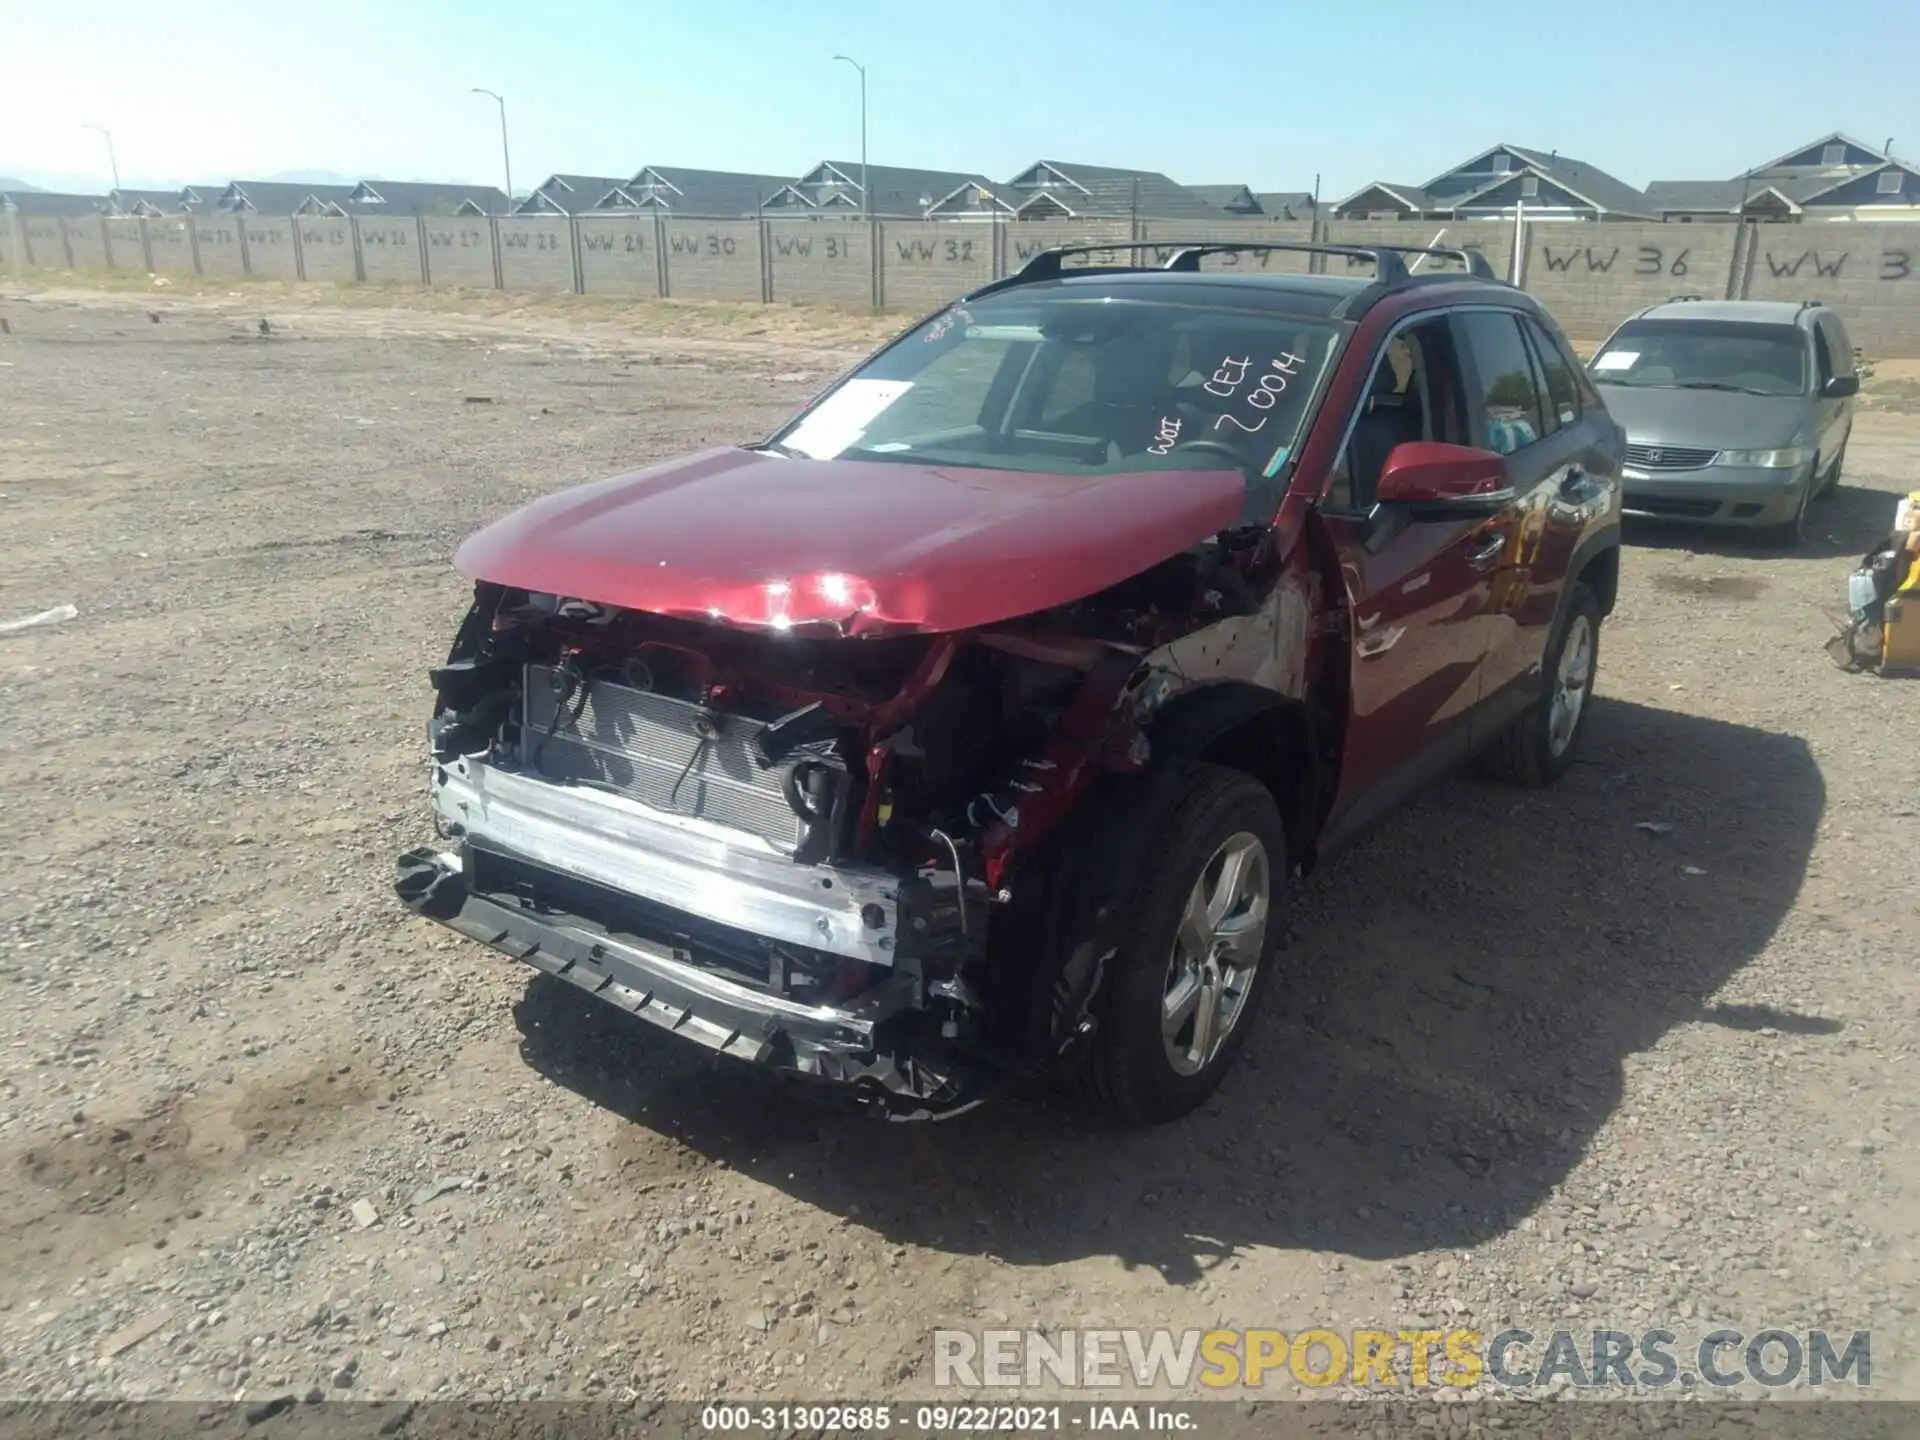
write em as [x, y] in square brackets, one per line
[1705, 355]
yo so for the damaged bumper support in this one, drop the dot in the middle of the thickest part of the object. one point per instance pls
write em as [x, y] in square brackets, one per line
[720, 875]
[555, 877]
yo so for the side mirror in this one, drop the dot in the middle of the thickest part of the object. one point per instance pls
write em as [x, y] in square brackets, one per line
[1841, 386]
[1444, 481]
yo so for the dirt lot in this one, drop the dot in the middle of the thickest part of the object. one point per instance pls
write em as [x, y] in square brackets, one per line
[1528, 1062]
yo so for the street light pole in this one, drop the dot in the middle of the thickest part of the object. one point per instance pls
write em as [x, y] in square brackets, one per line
[866, 194]
[506, 155]
[113, 160]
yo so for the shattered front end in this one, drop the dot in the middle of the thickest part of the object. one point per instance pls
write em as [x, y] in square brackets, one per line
[790, 850]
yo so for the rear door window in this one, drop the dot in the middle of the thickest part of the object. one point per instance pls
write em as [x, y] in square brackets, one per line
[1558, 369]
[1506, 406]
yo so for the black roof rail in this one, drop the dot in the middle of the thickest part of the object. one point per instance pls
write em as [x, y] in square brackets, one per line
[1389, 268]
[1675, 299]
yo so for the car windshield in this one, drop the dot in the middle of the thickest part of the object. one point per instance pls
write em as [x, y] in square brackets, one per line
[1705, 355]
[1064, 383]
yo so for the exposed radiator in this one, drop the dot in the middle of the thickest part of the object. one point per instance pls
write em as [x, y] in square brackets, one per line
[647, 748]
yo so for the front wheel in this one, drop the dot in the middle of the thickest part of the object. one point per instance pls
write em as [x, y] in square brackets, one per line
[1538, 747]
[1180, 997]
[1831, 481]
[1789, 534]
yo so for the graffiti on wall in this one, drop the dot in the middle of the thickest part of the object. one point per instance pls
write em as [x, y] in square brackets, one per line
[1890, 264]
[1647, 260]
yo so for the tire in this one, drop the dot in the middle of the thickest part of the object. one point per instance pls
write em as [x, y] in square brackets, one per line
[1831, 482]
[1141, 1068]
[1539, 746]
[1789, 534]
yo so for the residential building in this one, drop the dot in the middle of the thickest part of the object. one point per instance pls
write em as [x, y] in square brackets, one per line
[424, 197]
[833, 188]
[1833, 178]
[1060, 190]
[271, 197]
[572, 195]
[49, 203]
[1242, 201]
[1499, 182]
[678, 190]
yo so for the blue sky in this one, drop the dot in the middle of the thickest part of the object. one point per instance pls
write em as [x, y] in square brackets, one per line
[1265, 93]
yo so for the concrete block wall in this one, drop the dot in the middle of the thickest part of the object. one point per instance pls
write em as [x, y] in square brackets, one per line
[1493, 239]
[926, 264]
[1869, 273]
[714, 259]
[536, 252]
[221, 252]
[1593, 276]
[126, 239]
[460, 251]
[389, 249]
[1590, 276]
[829, 261]
[87, 242]
[43, 243]
[1027, 238]
[1276, 262]
[326, 249]
[619, 255]
[270, 252]
[170, 242]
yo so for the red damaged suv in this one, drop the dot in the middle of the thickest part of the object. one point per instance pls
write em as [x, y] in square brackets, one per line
[972, 725]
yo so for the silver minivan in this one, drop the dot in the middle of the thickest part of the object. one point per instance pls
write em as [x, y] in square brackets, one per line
[1736, 411]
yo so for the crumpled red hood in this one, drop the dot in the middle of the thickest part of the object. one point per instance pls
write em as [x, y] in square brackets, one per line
[857, 546]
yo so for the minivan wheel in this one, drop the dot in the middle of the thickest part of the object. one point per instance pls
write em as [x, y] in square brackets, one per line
[1831, 482]
[1538, 747]
[1183, 987]
[1788, 534]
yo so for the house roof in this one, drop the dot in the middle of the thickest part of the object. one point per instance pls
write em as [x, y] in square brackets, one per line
[275, 197]
[1286, 204]
[1236, 198]
[1104, 191]
[49, 202]
[1817, 187]
[1714, 197]
[1825, 140]
[428, 197]
[897, 189]
[1603, 191]
[1413, 197]
[975, 197]
[704, 192]
[569, 194]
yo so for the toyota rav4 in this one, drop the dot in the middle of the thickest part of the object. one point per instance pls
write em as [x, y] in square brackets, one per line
[974, 724]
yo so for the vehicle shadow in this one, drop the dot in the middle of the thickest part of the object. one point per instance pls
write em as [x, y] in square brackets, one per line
[1458, 998]
[1845, 523]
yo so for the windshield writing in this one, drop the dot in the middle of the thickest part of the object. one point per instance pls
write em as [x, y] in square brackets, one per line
[1065, 385]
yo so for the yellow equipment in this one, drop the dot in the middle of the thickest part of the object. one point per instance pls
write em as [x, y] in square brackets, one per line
[1900, 629]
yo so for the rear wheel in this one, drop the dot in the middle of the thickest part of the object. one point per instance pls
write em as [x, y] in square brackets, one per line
[1180, 998]
[1538, 747]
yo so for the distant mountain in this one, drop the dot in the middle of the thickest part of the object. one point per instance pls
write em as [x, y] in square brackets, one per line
[7, 182]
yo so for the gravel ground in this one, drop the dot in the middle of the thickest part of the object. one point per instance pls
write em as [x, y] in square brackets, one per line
[263, 1133]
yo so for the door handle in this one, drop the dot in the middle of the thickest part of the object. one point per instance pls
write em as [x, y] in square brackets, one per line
[1487, 553]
